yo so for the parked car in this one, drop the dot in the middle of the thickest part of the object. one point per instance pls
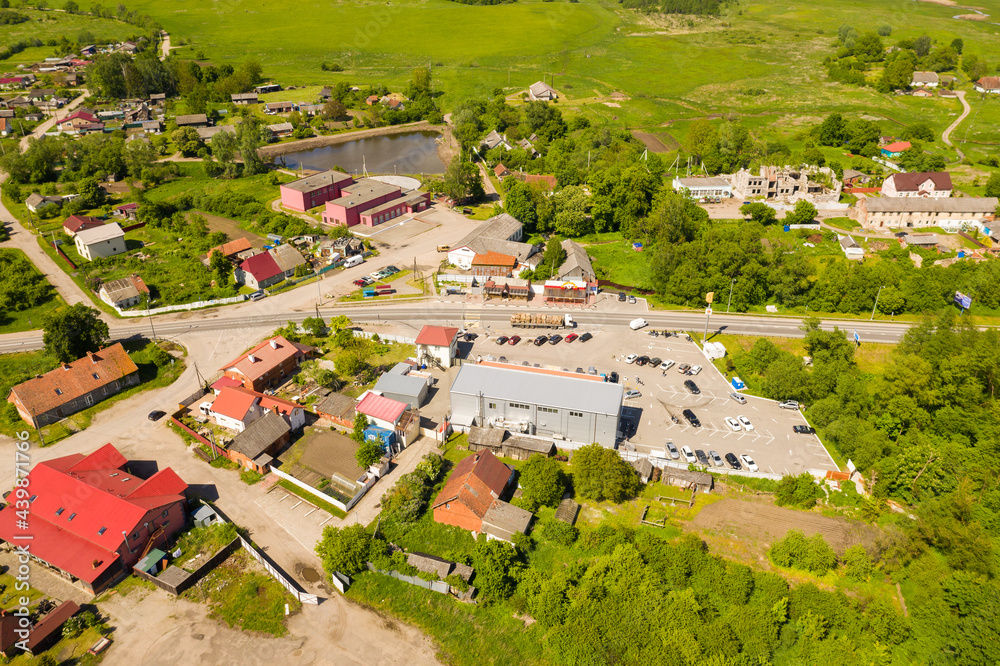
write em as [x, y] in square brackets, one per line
[631, 298]
[156, 415]
[733, 462]
[789, 404]
[631, 358]
[502, 340]
[702, 458]
[695, 370]
[541, 340]
[738, 398]
[502, 359]
[585, 337]
[803, 430]
[692, 387]
[691, 418]
[514, 339]
[688, 454]
[642, 360]
[715, 458]
[392, 269]
[672, 450]
[621, 296]
[632, 393]
[613, 377]
[666, 365]
[655, 362]
[571, 337]
[733, 424]
[745, 422]
[555, 339]
[683, 368]
[749, 463]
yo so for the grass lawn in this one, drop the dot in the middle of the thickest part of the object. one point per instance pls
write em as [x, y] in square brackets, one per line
[13, 321]
[199, 543]
[242, 595]
[53, 25]
[65, 651]
[311, 498]
[618, 262]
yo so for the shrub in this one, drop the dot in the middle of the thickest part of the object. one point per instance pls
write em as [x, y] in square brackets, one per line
[797, 551]
[857, 564]
[800, 491]
[558, 532]
[251, 476]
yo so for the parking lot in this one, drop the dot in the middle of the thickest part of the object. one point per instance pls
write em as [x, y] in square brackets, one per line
[647, 421]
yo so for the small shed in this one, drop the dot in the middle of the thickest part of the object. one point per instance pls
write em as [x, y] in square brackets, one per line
[567, 511]
[204, 516]
[151, 563]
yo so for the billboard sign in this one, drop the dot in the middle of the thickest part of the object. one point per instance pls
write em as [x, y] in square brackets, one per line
[962, 301]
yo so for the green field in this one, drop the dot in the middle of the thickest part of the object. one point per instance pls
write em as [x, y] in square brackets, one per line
[13, 321]
[47, 25]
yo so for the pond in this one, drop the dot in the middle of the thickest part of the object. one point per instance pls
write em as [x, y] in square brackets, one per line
[407, 153]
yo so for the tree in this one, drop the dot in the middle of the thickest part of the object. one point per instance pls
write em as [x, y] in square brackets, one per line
[993, 185]
[224, 149]
[571, 212]
[759, 212]
[71, 7]
[555, 255]
[360, 423]
[922, 45]
[221, 267]
[462, 180]
[139, 156]
[498, 567]
[519, 204]
[884, 30]
[315, 325]
[69, 333]
[796, 550]
[344, 549]
[857, 564]
[250, 137]
[369, 453]
[334, 109]
[602, 474]
[187, 141]
[800, 491]
[542, 481]
[805, 212]
[91, 193]
[957, 45]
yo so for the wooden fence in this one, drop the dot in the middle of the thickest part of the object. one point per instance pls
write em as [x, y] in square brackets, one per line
[176, 586]
[63, 255]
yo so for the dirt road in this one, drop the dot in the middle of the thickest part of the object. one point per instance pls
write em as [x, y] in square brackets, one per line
[946, 136]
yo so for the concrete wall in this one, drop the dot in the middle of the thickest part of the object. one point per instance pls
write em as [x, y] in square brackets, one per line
[196, 575]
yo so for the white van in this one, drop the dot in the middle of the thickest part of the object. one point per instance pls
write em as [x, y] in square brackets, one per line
[356, 260]
[636, 324]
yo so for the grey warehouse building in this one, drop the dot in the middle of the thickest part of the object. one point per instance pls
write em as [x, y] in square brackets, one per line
[399, 385]
[546, 403]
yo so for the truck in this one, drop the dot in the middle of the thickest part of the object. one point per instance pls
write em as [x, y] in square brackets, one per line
[526, 320]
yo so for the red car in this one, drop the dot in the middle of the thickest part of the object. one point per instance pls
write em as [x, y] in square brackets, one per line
[514, 339]
[571, 337]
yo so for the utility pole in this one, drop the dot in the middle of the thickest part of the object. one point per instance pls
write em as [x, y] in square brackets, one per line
[150, 315]
[709, 297]
[730, 295]
[876, 301]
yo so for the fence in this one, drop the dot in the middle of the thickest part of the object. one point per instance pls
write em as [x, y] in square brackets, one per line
[174, 585]
[63, 255]
[279, 575]
[132, 227]
[368, 335]
[862, 190]
[340, 581]
[318, 493]
[180, 308]
[433, 585]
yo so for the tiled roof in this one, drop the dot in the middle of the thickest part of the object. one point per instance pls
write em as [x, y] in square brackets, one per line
[910, 182]
[76, 223]
[233, 403]
[74, 380]
[261, 266]
[488, 470]
[234, 246]
[380, 407]
[436, 336]
[897, 147]
[494, 259]
[259, 435]
[267, 356]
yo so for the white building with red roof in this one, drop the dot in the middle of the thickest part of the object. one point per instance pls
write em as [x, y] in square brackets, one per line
[235, 409]
[80, 119]
[92, 518]
[268, 364]
[437, 342]
[259, 271]
[382, 411]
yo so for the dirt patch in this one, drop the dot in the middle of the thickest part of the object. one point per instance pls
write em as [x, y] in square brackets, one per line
[614, 105]
[763, 523]
[231, 228]
[652, 142]
[878, 246]
[973, 17]
[815, 238]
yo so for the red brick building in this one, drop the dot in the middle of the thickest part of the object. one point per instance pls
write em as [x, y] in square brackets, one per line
[268, 364]
[471, 498]
[91, 518]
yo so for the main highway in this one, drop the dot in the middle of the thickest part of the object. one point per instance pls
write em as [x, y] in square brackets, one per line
[458, 314]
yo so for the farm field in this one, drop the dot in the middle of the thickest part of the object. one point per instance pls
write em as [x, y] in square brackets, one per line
[47, 25]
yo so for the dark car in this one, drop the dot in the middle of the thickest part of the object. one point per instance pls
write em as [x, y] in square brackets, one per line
[571, 337]
[555, 339]
[655, 361]
[691, 418]
[702, 458]
[642, 360]
[585, 337]
[803, 430]
[156, 415]
[613, 378]
[541, 340]
[691, 386]
[392, 269]
[469, 337]
[502, 340]
[621, 296]
[514, 339]
[733, 461]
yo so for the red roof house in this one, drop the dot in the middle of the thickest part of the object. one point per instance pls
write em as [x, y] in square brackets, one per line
[268, 364]
[895, 149]
[92, 518]
[471, 498]
[437, 345]
[80, 119]
[75, 223]
[259, 271]
[236, 409]
[493, 264]
[232, 248]
[384, 412]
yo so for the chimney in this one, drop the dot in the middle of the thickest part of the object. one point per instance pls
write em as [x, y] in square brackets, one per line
[93, 359]
[65, 366]
[274, 344]
[251, 358]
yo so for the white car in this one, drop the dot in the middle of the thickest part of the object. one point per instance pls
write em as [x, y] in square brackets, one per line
[733, 424]
[749, 463]
[695, 370]
[632, 393]
[745, 422]
[666, 365]
[688, 454]
[631, 358]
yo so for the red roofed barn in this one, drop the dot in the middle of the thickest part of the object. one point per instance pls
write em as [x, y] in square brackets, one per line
[259, 271]
[268, 364]
[74, 386]
[93, 519]
[437, 344]
[471, 498]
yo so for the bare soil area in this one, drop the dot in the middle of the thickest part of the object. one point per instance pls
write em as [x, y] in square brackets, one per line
[651, 141]
[762, 523]
[231, 228]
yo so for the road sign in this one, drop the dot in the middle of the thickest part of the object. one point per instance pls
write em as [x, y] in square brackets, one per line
[857, 338]
[709, 297]
[963, 301]
[708, 311]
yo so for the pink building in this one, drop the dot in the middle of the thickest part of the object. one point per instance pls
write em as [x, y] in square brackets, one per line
[315, 190]
[371, 202]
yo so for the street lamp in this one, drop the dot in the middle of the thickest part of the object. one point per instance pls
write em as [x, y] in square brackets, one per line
[876, 301]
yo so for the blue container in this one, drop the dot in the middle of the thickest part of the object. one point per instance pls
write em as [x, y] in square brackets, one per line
[961, 254]
[738, 383]
[383, 436]
[787, 227]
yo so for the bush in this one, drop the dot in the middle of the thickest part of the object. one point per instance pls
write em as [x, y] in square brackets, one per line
[558, 532]
[543, 482]
[800, 491]
[797, 551]
[251, 476]
[857, 564]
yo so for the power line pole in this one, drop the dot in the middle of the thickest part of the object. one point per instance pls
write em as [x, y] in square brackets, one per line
[876, 301]
[730, 295]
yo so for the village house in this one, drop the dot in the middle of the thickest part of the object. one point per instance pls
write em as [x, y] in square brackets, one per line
[124, 293]
[703, 187]
[853, 178]
[918, 184]
[268, 364]
[152, 126]
[508, 288]
[500, 171]
[314, 190]
[494, 264]
[577, 264]
[336, 407]
[471, 500]
[192, 120]
[77, 223]
[158, 99]
[925, 80]
[231, 248]
[259, 444]
[500, 443]
[895, 149]
[235, 409]
[954, 213]
[381, 411]
[850, 247]
[287, 258]
[129, 211]
[541, 91]
[500, 234]
[36, 201]
[243, 99]
[259, 271]
[267, 88]
[437, 344]
[92, 517]
[74, 386]
[281, 130]
[81, 119]
[273, 108]
[988, 84]
[206, 133]
[527, 146]
[494, 139]
[404, 384]
[106, 240]
[371, 202]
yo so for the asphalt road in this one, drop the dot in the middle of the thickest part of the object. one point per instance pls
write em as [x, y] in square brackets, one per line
[457, 314]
